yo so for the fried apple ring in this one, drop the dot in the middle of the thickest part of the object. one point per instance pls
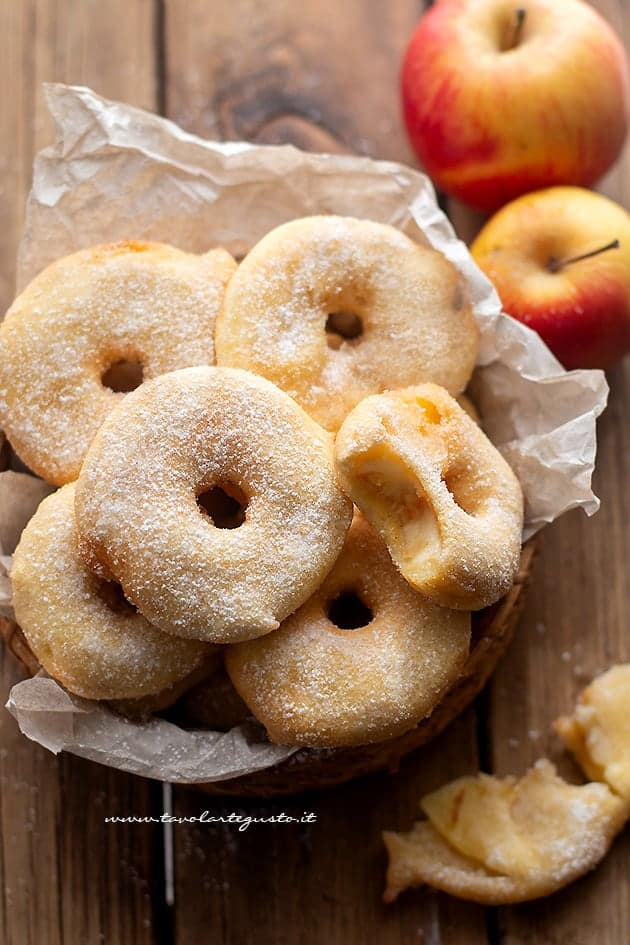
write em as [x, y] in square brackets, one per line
[193, 433]
[332, 309]
[143, 308]
[365, 659]
[505, 841]
[444, 500]
[81, 629]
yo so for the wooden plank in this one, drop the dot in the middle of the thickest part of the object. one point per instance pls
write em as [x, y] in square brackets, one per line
[67, 876]
[574, 627]
[74, 41]
[320, 882]
[324, 80]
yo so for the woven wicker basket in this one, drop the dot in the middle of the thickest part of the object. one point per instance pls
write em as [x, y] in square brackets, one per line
[311, 769]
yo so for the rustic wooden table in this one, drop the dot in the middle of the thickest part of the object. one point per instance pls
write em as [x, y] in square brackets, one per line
[322, 74]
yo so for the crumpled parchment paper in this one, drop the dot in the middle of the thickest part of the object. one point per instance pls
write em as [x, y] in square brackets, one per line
[117, 172]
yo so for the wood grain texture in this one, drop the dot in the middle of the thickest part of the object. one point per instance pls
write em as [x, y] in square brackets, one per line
[323, 77]
[65, 875]
[321, 882]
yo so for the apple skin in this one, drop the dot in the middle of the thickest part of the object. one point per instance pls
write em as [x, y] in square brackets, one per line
[489, 125]
[582, 311]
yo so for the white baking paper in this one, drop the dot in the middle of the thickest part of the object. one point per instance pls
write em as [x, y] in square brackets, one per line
[154, 748]
[116, 172]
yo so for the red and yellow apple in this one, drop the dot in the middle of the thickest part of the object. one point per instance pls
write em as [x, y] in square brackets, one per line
[502, 97]
[560, 261]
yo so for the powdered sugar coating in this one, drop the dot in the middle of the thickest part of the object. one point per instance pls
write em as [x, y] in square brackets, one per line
[441, 495]
[416, 318]
[144, 302]
[312, 683]
[95, 650]
[539, 833]
[598, 732]
[171, 440]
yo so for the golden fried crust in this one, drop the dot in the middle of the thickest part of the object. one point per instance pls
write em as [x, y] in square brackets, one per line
[172, 440]
[421, 857]
[444, 500]
[598, 733]
[497, 842]
[293, 308]
[314, 683]
[81, 632]
[138, 302]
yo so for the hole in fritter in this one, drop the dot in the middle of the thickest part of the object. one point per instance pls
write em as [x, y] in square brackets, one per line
[404, 510]
[113, 595]
[348, 612]
[342, 326]
[123, 376]
[225, 505]
[464, 491]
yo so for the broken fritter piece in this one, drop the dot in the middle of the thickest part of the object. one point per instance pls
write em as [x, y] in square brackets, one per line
[498, 841]
[598, 732]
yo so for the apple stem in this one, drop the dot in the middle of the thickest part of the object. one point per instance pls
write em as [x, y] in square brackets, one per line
[519, 20]
[555, 265]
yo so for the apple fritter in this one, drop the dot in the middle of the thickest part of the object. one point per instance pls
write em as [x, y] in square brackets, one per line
[498, 841]
[598, 732]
